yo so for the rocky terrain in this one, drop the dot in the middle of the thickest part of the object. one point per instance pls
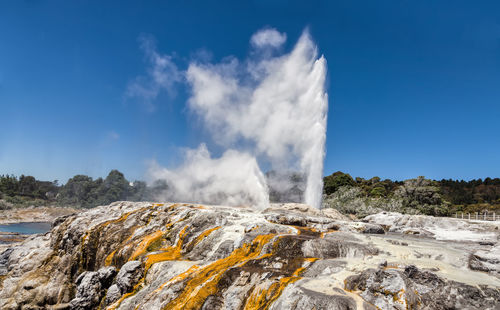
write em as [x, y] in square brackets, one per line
[182, 256]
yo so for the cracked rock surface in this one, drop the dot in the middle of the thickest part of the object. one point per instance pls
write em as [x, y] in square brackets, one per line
[412, 288]
[131, 255]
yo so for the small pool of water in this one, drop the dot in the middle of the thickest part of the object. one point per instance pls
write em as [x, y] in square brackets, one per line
[27, 228]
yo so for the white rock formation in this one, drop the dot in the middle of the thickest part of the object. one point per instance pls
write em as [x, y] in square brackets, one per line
[183, 256]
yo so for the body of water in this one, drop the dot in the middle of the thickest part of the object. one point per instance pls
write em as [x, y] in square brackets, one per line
[27, 228]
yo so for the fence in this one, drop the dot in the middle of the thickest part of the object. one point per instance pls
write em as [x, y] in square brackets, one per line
[483, 216]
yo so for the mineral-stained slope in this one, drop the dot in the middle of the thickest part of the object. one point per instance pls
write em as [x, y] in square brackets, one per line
[183, 256]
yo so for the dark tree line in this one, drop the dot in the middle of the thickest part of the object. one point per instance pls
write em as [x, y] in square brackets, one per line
[471, 192]
[84, 191]
[79, 191]
[374, 187]
[27, 186]
[445, 196]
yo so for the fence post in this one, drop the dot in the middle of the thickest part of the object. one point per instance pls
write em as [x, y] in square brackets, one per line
[462, 215]
[477, 213]
[485, 215]
[493, 216]
[469, 216]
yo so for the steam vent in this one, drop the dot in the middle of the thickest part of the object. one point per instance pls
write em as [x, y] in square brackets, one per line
[290, 256]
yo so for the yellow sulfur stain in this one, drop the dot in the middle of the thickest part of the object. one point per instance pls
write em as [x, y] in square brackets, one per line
[85, 237]
[142, 247]
[202, 236]
[263, 298]
[257, 227]
[145, 243]
[170, 225]
[115, 221]
[177, 278]
[170, 253]
[305, 230]
[124, 217]
[173, 206]
[109, 258]
[117, 303]
[204, 281]
[311, 259]
[329, 231]
[174, 253]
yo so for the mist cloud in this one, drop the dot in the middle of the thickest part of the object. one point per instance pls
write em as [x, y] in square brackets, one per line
[268, 109]
[268, 37]
[162, 75]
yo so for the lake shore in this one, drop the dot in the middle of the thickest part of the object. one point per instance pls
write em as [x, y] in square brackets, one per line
[28, 215]
[34, 214]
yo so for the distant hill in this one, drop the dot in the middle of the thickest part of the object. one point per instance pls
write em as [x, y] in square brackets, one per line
[415, 196]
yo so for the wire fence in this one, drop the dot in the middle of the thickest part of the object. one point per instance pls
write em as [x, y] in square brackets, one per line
[480, 216]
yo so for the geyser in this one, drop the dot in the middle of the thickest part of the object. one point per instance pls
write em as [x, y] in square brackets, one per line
[271, 107]
[233, 179]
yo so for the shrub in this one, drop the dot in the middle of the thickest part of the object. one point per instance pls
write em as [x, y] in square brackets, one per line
[338, 179]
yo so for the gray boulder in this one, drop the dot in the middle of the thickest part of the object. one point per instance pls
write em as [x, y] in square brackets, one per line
[411, 288]
[4, 261]
[486, 260]
[373, 229]
[128, 276]
[90, 288]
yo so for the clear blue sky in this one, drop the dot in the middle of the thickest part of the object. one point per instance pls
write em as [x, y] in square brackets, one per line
[414, 86]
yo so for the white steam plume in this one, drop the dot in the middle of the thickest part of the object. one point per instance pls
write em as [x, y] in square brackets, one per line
[233, 179]
[280, 107]
[272, 106]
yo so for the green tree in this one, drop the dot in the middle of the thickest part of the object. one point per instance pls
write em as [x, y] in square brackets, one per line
[9, 185]
[378, 191]
[338, 179]
[80, 190]
[114, 188]
[27, 186]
